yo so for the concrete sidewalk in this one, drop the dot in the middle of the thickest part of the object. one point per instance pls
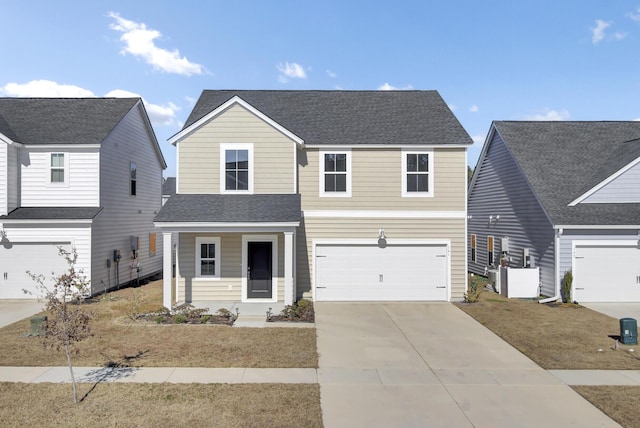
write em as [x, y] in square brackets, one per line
[309, 375]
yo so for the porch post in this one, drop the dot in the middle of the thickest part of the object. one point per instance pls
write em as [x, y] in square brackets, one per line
[288, 268]
[167, 269]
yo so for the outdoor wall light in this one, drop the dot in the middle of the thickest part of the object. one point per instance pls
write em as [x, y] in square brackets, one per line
[382, 239]
[493, 219]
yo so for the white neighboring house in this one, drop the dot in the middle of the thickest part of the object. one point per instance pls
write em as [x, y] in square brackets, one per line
[83, 173]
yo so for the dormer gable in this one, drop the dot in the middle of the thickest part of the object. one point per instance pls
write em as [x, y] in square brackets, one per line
[622, 187]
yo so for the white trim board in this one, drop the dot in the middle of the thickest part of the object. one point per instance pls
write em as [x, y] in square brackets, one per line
[385, 214]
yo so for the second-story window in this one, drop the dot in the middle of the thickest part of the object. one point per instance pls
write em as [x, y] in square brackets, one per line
[417, 170]
[335, 173]
[57, 168]
[236, 168]
[133, 184]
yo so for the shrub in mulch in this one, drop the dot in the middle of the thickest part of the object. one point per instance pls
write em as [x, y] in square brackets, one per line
[301, 311]
[187, 314]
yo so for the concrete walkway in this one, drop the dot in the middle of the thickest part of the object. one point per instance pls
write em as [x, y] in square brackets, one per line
[297, 375]
[415, 364]
[19, 309]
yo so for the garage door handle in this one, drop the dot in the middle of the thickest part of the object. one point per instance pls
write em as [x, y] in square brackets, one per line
[579, 288]
[441, 255]
[443, 286]
[320, 256]
[320, 287]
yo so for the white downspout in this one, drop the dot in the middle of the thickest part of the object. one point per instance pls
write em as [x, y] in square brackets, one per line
[556, 243]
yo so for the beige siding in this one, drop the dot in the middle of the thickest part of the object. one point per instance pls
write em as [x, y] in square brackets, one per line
[199, 154]
[3, 177]
[377, 182]
[229, 286]
[350, 228]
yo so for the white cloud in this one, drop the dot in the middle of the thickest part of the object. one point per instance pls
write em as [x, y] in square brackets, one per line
[620, 36]
[550, 115]
[140, 42]
[388, 87]
[159, 115]
[474, 109]
[45, 89]
[598, 32]
[291, 70]
[478, 140]
[331, 74]
[634, 16]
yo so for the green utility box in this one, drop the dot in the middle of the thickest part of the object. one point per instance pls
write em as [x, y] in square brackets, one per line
[38, 325]
[628, 331]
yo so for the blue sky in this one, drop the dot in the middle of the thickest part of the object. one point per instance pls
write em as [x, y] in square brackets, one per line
[490, 60]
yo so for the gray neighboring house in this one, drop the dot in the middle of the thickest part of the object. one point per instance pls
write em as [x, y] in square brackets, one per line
[82, 173]
[566, 193]
[168, 188]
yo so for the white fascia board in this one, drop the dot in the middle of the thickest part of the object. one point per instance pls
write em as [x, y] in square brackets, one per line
[385, 214]
[61, 146]
[597, 226]
[9, 141]
[226, 227]
[235, 100]
[604, 183]
[18, 222]
[390, 145]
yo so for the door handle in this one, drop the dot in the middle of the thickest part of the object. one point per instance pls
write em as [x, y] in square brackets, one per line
[248, 273]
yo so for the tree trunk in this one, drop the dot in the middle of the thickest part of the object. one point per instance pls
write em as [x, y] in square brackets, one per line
[66, 349]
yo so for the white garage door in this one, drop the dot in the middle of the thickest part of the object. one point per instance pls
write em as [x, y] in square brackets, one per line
[370, 273]
[17, 259]
[607, 272]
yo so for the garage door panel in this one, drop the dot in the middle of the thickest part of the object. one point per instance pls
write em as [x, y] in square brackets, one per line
[370, 273]
[38, 258]
[607, 273]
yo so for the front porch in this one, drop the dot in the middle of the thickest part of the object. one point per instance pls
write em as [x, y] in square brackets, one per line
[230, 248]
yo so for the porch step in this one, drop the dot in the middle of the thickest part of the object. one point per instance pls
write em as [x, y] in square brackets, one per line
[258, 321]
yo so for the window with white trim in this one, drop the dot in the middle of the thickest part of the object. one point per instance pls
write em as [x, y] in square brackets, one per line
[236, 168]
[417, 173]
[207, 257]
[335, 173]
[57, 168]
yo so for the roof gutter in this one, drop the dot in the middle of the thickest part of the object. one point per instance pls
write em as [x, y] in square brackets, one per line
[556, 244]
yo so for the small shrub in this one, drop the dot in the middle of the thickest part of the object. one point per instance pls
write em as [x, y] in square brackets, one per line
[159, 319]
[179, 319]
[302, 310]
[567, 282]
[205, 319]
[473, 294]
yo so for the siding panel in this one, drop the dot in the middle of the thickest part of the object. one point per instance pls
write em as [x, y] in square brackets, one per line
[500, 189]
[623, 189]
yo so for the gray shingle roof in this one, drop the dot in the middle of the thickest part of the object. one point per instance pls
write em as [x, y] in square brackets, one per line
[169, 186]
[61, 120]
[264, 208]
[349, 117]
[563, 160]
[52, 213]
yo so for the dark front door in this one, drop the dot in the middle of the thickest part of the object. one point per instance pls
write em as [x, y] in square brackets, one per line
[259, 278]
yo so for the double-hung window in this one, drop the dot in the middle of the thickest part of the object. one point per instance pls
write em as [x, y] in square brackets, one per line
[236, 164]
[57, 168]
[335, 173]
[417, 173]
[207, 257]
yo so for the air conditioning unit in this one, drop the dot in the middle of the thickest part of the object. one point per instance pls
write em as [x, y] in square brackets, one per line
[494, 279]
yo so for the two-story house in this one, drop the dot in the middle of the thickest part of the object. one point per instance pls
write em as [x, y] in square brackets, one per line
[333, 195]
[83, 174]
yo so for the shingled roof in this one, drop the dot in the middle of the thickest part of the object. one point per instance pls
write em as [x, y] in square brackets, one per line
[349, 117]
[563, 160]
[61, 120]
[52, 213]
[264, 208]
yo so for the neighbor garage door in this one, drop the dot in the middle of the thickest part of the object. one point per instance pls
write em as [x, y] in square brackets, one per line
[607, 272]
[371, 273]
[18, 258]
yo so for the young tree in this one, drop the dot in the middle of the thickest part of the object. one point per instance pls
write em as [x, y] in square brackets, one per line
[66, 323]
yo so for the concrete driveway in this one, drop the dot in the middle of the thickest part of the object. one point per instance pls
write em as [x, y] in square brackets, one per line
[430, 364]
[16, 310]
[616, 310]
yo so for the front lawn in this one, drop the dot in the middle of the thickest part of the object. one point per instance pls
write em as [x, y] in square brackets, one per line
[158, 405]
[119, 340]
